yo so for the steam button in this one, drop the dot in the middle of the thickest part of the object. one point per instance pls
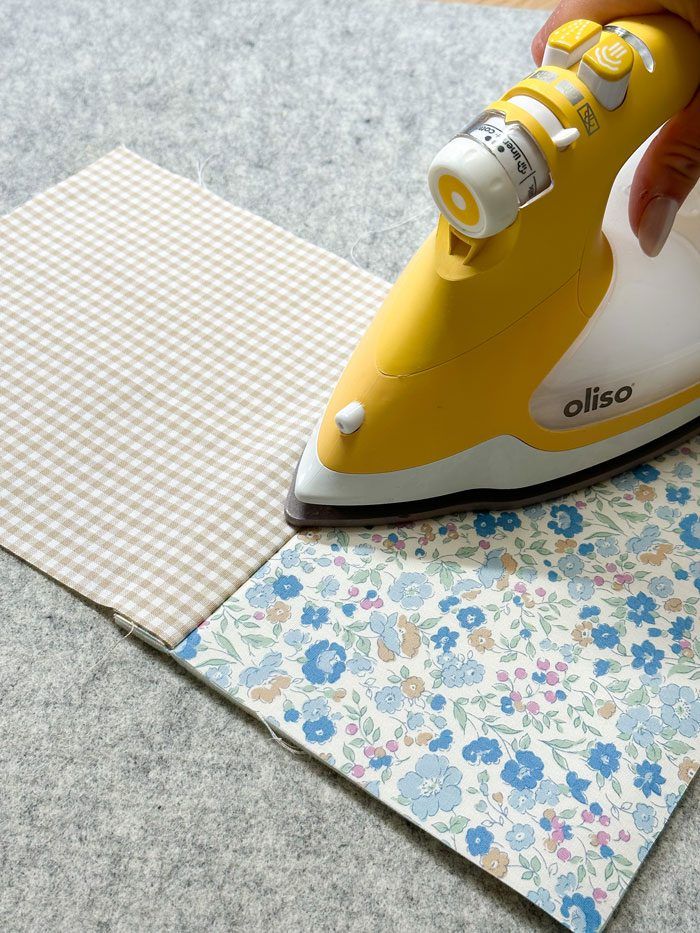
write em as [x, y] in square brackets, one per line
[567, 44]
[605, 69]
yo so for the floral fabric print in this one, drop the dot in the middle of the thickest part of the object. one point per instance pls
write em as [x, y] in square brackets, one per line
[522, 685]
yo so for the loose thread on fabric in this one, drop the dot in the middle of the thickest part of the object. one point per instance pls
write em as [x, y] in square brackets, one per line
[370, 233]
[113, 647]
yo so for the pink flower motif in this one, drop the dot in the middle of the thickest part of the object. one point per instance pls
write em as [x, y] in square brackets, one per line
[552, 678]
[540, 591]
[561, 666]
[599, 581]
[353, 591]
[400, 545]
[611, 567]
[623, 835]
[357, 771]
[603, 838]
[543, 664]
[580, 504]
[485, 545]
[550, 696]
[628, 496]
[369, 751]
[587, 816]
[515, 696]
[259, 615]
[376, 538]
[533, 707]
[599, 895]
[351, 728]
[378, 603]
[604, 820]
[520, 673]
[558, 835]
[520, 588]
[339, 561]
[556, 822]
[502, 676]
[392, 745]
[563, 854]
[366, 603]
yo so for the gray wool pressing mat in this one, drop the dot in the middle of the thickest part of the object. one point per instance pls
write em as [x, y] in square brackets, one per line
[133, 797]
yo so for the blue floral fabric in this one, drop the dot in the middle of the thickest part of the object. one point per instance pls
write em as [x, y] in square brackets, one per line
[522, 685]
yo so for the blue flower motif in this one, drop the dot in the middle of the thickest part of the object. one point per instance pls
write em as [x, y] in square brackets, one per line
[389, 699]
[260, 595]
[314, 616]
[690, 530]
[384, 761]
[484, 524]
[645, 818]
[547, 793]
[607, 547]
[482, 751]
[645, 541]
[220, 675]
[470, 617]
[507, 705]
[605, 636]
[456, 673]
[646, 473]
[521, 836]
[581, 588]
[508, 521]
[578, 786]
[328, 587]
[661, 587]
[287, 586]
[647, 657]
[640, 608]
[447, 603]
[624, 482]
[325, 662]
[649, 778]
[444, 639]
[679, 494]
[410, 590]
[359, 664]
[521, 800]
[256, 676]
[433, 786]
[605, 758]
[414, 720]
[601, 667]
[588, 612]
[566, 884]
[289, 557]
[580, 913]
[479, 840]
[524, 772]
[639, 725]
[586, 548]
[314, 708]
[441, 742]
[566, 520]
[681, 709]
[541, 898]
[187, 649]
[438, 702]
[291, 715]
[606, 851]
[384, 626]
[570, 565]
[319, 730]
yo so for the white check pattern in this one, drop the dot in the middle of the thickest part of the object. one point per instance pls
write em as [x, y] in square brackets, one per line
[163, 356]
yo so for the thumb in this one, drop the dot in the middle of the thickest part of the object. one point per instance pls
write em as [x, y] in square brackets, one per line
[667, 174]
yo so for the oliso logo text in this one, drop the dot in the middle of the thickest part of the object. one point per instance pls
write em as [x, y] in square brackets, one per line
[595, 399]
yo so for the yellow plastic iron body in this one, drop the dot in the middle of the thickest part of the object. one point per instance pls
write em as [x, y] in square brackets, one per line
[471, 328]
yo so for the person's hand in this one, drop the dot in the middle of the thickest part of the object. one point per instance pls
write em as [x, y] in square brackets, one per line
[670, 167]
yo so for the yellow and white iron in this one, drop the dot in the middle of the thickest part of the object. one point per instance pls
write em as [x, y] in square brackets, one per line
[529, 348]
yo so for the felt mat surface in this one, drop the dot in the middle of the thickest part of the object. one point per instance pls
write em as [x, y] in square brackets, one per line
[115, 808]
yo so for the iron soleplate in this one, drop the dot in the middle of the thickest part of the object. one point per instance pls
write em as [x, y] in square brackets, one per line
[307, 515]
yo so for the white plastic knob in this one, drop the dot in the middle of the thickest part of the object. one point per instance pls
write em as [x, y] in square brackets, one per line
[350, 418]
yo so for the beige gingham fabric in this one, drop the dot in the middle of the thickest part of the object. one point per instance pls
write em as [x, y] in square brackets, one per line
[163, 356]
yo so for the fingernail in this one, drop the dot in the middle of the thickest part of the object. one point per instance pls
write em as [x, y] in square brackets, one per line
[656, 223]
